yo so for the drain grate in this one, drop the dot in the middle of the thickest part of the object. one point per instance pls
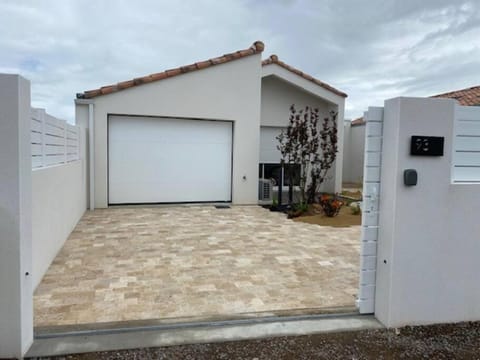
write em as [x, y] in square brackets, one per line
[222, 206]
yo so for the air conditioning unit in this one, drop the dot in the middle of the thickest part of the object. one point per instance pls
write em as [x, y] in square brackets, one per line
[265, 192]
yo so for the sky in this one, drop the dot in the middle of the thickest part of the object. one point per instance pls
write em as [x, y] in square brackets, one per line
[371, 49]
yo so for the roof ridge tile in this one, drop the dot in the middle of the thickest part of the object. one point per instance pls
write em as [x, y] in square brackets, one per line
[273, 59]
[256, 48]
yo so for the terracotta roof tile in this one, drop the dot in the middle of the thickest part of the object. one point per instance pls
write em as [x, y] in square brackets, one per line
[357, 121]
[256, 48]
[467, 97]
[159, 76]
[273, 59]
[125, 84]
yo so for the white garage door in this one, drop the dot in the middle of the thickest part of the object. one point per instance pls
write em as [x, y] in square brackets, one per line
[165, 160]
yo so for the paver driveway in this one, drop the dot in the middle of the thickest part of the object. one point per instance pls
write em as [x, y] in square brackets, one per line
[122, 264]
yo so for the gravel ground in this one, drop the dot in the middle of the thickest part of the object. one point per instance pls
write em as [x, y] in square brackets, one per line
[453, 341]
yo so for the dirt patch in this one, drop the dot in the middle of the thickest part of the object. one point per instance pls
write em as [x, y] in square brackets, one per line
[344, 219]
[451, 341]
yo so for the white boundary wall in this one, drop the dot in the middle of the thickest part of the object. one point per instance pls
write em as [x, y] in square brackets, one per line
[16, 292]
[429, 234]
[58, 186]
[38, 208]
[58, 203]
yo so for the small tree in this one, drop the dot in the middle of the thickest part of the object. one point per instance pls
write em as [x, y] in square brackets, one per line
[313, 148]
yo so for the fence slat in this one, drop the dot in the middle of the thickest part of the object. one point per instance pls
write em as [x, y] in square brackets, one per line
[72, 157]
[54, 159]
[35, 138]
[471, 113]
[54, 130]
[36, 126]
[471, 143]
[53, 141]
[466, 156]
[72, 136]
[37, 161]
[65, 143]
[53, 121]
[468, 128]
[54, 150]
[36, 149]
[467, 174]
[467, 159]
[72, 142]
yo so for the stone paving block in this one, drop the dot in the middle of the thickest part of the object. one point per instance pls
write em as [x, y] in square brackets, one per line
[138, 263]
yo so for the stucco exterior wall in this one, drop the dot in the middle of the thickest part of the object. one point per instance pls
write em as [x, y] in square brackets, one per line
[277, 97]
[16, 294]
[353, 153]
[428, 244]
[230, 91]
[58, 203]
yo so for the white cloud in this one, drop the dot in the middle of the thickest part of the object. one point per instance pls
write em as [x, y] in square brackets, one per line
[371, 50]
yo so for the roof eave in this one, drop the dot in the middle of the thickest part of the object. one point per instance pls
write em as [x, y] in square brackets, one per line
[256, 48]
[273, 60]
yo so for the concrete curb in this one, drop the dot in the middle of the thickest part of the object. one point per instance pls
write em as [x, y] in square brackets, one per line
[61, 344]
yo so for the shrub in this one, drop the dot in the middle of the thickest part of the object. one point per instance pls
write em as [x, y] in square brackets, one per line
[297, 210]
[312, 144]
[303, 207]
[330, 204]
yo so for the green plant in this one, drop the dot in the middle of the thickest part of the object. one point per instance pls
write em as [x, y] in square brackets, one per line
[303, 207]
[330, 204]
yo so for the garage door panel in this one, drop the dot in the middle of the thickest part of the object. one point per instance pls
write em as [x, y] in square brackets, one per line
[169, 160]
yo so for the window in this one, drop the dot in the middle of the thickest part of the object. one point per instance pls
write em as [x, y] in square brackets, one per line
[275, 173]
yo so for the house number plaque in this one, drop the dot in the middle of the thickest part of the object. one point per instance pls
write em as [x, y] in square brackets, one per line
[427, 145]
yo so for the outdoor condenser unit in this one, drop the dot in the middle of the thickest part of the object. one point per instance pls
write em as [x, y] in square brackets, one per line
[265, 192]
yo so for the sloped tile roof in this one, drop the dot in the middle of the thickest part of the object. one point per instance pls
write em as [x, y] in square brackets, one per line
[256, 48]
[357, 121]
[273, 59]
[467, 97]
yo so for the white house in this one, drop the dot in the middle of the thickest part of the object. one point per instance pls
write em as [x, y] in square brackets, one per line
[204, 132]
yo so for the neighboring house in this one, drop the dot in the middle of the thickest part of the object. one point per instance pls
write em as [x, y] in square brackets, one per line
[466, 97]
[204, 132]
[354, 134]
[353, 149]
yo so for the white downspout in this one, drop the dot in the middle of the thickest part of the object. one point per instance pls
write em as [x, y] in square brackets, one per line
[91, 156]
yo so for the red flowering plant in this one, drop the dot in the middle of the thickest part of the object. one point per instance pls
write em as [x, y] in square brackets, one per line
[330, 204]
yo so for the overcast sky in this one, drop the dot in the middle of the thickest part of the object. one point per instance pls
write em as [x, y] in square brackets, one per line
[370, 49]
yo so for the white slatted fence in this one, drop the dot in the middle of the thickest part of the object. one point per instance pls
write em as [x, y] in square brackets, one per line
[466, 145]
[370, 209]
[54, 141]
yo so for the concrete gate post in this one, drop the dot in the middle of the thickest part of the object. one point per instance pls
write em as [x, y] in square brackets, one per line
[16, 294]
[428, 240]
